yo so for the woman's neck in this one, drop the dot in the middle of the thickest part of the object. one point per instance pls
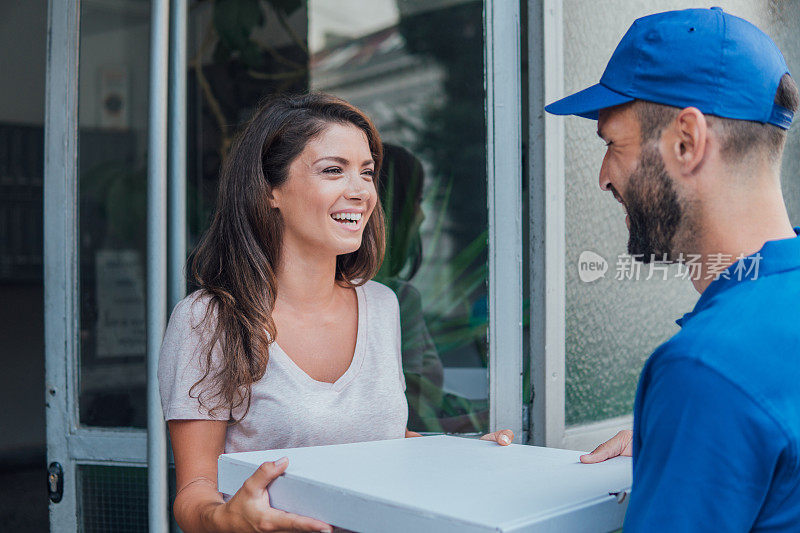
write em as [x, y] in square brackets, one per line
[306, 281]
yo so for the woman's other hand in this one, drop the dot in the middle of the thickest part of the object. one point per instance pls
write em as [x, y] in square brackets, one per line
[503, 437]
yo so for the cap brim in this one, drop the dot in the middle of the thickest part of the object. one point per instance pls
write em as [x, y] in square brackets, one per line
[588, 102]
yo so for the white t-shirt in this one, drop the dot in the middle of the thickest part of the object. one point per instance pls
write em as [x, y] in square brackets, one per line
[288, 408]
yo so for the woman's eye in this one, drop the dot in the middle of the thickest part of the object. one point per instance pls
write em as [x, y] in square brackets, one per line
[332, 170]
[368, 173]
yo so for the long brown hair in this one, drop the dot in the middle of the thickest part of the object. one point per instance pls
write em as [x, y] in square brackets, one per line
[236, 259]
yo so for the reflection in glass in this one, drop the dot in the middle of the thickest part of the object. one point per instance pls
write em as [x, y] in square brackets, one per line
[416, 67]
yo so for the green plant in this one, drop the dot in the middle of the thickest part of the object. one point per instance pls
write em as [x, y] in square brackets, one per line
[230, 33]
[448, 318]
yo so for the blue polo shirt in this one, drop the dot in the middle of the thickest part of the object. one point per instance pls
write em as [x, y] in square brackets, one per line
[717, 414]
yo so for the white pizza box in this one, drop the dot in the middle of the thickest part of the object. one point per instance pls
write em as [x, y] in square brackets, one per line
[443, 484]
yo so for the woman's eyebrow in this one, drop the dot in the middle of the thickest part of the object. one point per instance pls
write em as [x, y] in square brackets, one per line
[342, 160]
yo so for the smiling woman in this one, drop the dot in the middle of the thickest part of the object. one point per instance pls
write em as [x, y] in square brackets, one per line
[276, 193]
[332, 180]
[287, 342]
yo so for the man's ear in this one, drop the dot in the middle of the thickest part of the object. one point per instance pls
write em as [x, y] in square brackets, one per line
[689, 139]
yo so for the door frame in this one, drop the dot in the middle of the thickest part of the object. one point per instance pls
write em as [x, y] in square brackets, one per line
[60, 233]
[547, 197]
[68, 443]
[504, 176]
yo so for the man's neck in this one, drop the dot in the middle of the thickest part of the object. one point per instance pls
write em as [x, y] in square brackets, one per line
[735, 227]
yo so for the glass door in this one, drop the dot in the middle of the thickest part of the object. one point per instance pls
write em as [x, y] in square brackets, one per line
[441, 81]
[96, 137]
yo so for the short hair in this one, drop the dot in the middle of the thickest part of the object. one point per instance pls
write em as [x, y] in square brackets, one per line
[739, 138]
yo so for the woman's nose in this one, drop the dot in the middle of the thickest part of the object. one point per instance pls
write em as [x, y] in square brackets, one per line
[357, 189]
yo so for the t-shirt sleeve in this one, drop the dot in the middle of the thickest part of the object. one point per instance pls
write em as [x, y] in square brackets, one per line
[704, 452]
[182, 363]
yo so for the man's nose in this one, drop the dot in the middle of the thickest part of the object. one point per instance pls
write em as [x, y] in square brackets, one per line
[605, 182]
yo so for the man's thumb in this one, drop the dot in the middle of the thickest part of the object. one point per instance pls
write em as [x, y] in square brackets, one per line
[599, 454]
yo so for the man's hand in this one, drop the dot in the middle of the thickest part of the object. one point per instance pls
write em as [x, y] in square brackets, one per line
[619, 444]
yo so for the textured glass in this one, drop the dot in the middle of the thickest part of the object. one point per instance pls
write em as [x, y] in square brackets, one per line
[613, 325]
[114, 498]
[783, 25]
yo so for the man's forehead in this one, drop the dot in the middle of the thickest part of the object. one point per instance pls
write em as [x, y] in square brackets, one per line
[611, 119]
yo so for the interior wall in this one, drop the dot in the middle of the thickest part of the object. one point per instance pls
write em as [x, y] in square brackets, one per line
[22, 376]
[23, 38]
[23, 41]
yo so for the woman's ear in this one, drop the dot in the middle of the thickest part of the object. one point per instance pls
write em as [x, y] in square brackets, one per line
[272, 199]
[689, 139]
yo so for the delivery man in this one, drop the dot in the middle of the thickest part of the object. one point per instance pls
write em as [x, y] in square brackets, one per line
[694, 107]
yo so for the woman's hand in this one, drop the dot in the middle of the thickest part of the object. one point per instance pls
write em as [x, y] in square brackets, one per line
[503, 437]
[249, 509]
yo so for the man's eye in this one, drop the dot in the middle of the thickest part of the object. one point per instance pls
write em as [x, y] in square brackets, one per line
[609, 143]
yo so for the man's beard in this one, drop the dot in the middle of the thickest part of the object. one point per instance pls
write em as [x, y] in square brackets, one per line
[655, 213]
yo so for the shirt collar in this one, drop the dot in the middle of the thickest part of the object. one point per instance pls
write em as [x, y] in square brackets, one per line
[775, 256]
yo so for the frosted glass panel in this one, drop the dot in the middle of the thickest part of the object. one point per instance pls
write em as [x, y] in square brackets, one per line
[783, 25]
[613, 325]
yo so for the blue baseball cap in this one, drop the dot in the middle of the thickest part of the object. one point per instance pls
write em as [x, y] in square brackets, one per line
[703, 58]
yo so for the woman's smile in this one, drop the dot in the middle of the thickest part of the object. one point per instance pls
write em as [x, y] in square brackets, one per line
[350, 220]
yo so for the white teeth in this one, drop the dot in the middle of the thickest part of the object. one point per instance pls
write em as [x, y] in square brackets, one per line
[353, 217]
